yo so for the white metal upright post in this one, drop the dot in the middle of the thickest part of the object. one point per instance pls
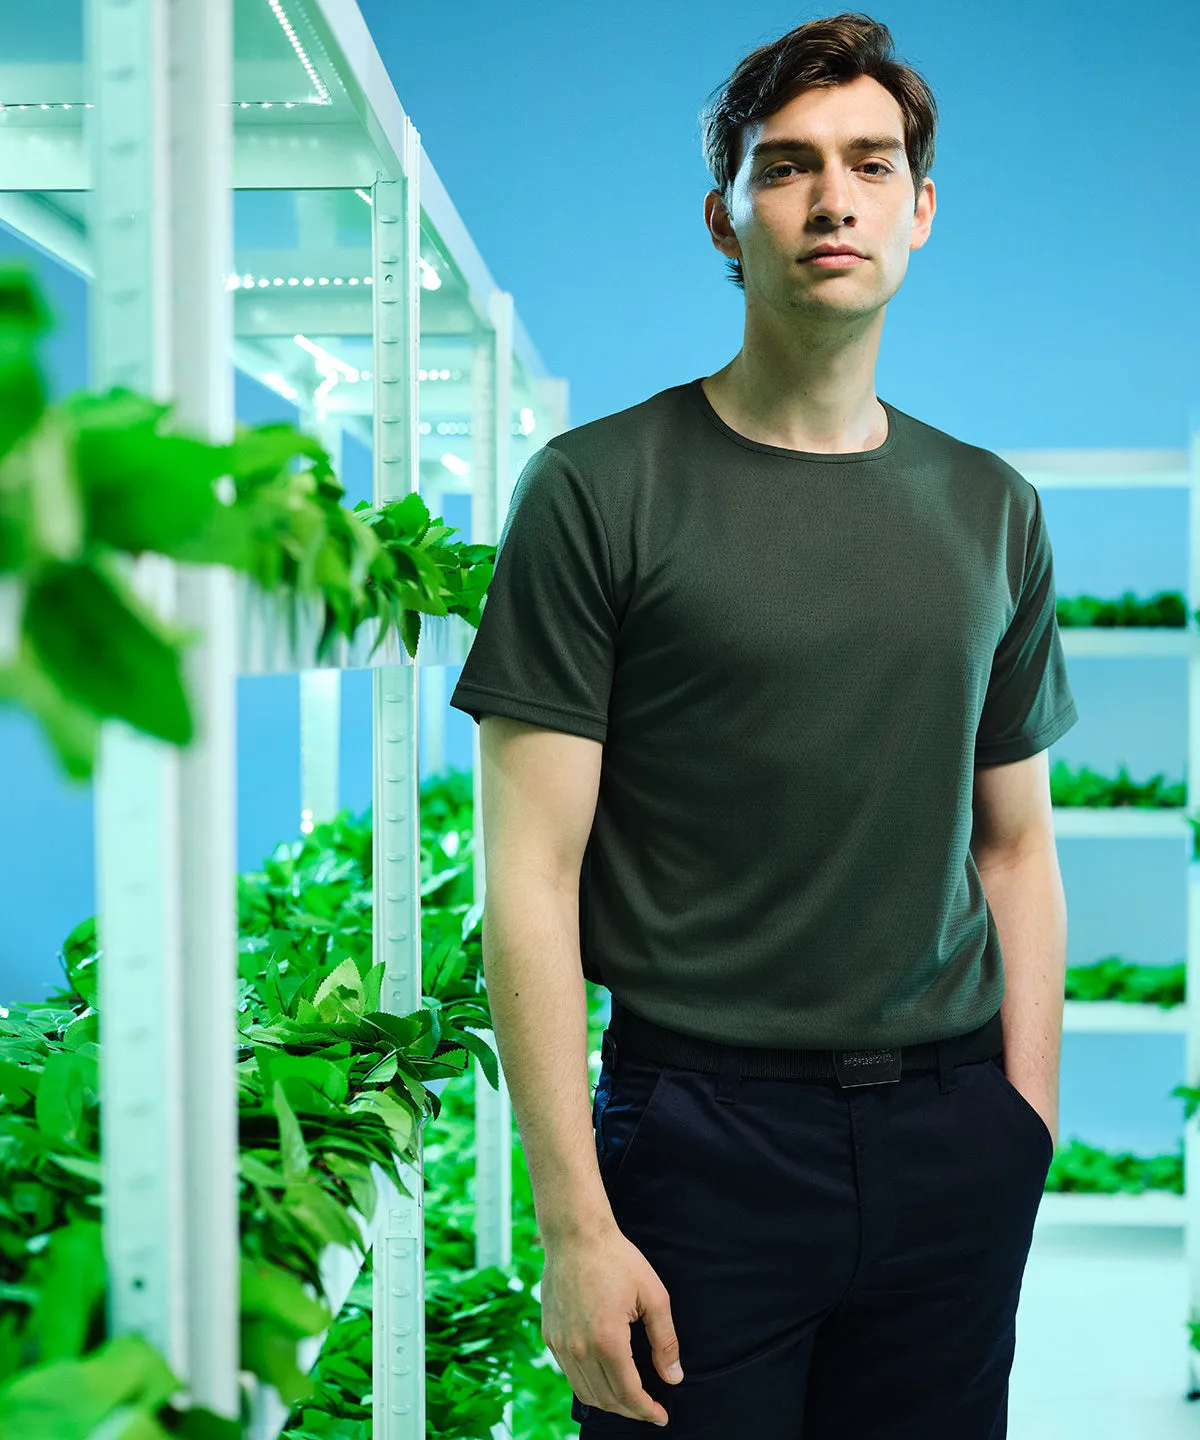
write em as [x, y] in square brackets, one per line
[492, 489]
[137, 778]
[398, 1387]
[433, 677]
[201, 174]
[1191, 1071]
[160, 142]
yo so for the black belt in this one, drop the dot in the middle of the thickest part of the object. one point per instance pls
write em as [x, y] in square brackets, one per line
[644, 1039]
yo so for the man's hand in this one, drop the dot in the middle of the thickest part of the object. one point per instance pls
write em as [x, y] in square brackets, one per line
[592, 1291]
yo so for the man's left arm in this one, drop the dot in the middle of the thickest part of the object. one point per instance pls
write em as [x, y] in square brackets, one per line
[1013, 843]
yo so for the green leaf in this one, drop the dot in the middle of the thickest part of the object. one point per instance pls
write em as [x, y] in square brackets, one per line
[272, 1357]
[256, 1170]
[400, 1121]
[359, 1181]
[62, 1091]
[108, 650]
[403, 1030]
[71, 728]
[329, 1081]
[344, 977]
[267, 1292]
[145, 491]
[82, 1031]
[67, 1399]
[73, 1286]
[484, 1053]
[80, 1165]
[24, 316]
[17, 1083]
[292, 1149]
[117, 408]
[130, 1423]
[39, 489]
[382, 1073]
[325, 1217]
[409, 514]
[410, 630]
[199, 1423]
[260, 453]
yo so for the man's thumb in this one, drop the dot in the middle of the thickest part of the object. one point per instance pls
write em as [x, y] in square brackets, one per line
[664, 1345]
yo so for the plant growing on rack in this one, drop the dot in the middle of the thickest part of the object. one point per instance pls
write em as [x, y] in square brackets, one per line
[328, 1087]
[96, 479]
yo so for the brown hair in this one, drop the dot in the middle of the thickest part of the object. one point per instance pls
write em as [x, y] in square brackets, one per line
[820, 54]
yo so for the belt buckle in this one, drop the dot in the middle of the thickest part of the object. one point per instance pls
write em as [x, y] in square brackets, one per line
[867, 1067]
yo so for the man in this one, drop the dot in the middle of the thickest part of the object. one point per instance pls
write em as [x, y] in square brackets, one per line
[767, 670]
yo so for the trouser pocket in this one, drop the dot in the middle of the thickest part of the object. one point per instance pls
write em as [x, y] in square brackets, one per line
[627, 1095]
[1033, 1121]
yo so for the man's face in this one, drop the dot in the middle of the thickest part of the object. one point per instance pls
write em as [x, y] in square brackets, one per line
[786, 202]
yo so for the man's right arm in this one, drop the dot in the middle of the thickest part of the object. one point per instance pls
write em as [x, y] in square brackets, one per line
[539, 799]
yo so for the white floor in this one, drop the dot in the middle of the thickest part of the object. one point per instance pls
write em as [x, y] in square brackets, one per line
[1102, 1341]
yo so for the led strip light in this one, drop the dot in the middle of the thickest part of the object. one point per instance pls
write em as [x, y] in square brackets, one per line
[301, 55]
[323, 96]
[260, 282]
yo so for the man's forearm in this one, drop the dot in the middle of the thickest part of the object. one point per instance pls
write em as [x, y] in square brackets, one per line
[1025, 895]
[538, 1003]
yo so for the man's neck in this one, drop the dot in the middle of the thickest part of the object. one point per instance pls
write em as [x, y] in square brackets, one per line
[826, 423]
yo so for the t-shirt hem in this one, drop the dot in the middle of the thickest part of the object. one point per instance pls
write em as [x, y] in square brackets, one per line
[513, 707]
[1021, 747]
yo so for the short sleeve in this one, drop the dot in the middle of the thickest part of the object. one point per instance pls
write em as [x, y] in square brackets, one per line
[1029, 704]
[545, 647]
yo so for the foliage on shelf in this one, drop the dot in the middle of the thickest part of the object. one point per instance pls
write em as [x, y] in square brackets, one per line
[1112, 978]
[1088, 787]
[1078, 1169]
[1167, 609]
[98, 479]
[327, 1084]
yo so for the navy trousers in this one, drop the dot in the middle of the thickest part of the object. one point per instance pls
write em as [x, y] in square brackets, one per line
[842, 1263]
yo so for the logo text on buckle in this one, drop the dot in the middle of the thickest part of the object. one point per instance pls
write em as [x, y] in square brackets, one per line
[866, 1067]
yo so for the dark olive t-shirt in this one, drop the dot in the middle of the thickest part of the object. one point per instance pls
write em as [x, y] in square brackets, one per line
[795, 661]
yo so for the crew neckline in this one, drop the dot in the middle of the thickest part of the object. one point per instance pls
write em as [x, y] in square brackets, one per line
[851, 457]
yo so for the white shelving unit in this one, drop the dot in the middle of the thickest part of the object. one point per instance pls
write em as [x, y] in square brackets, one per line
[142, 167]
[1127, 470]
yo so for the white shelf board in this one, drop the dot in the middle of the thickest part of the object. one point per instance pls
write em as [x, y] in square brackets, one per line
[1119, 1017]
[1096, 469]
[1152, 1207]
[276, 637]
[1152, 642]
[1121, 822]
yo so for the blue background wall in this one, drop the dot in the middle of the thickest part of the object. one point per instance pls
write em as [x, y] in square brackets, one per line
[1055, 304]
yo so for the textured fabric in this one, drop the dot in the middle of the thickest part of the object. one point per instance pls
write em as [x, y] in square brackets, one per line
[841, 1264]
[794, 662]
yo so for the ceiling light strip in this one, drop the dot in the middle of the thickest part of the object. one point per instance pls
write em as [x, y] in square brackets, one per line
[301, 53]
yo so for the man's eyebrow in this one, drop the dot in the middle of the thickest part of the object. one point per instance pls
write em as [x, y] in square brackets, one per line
[857, 146]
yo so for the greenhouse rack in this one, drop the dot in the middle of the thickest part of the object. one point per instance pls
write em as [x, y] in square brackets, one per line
[1094, 469]
[131, 166]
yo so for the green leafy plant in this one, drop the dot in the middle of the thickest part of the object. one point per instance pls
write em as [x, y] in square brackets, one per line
[1167, 608]
[1078, 1169]
[1112, 978]
[99, 479]
[1069, 786]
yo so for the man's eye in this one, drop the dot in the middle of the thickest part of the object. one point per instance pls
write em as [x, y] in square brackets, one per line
[787, 165]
